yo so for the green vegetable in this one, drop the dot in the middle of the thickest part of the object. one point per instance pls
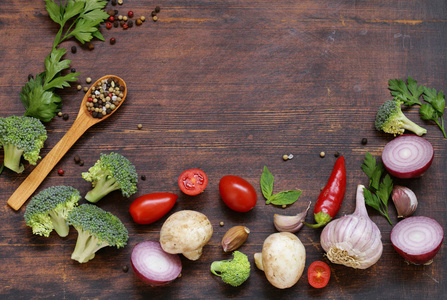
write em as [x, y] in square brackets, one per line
[21, 136]
[49, 210]
[79, 19]
[390, 119]
[380, 187]
[233, 271]
[281, 198]
[111, 172]
[409, 93]
[96, 229]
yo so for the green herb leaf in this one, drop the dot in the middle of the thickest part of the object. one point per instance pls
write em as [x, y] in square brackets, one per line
[54, 65]
[94, 4]
[369, 165]
[54, 11]
[267, 183]
[40, 103]
[428, 112]
[371, 199]
[409, 93]
[72, 9]
[385, 190]
[284, 198]
[62, 81]
[437, 100]
[96, 16]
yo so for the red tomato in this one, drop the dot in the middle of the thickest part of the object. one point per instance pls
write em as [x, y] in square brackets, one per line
[318, 274]
[149, 208]
[192, 181]
[237, 193]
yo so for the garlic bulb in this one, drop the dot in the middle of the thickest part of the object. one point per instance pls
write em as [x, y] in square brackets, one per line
[353, 240]
[404, 200]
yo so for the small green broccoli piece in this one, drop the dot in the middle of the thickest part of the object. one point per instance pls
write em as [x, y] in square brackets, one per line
[97, 229]
[233, 271]
[21, 136]
[390, 119]
[111, 172]
[49, 210]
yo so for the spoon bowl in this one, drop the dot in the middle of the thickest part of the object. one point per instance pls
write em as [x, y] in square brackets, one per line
[83, 121]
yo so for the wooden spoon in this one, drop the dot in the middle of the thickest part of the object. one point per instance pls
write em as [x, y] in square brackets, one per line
[83, 121]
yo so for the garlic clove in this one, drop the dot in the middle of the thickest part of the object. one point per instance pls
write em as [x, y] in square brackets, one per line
[404, 200]
[234, 238]
[290, 223]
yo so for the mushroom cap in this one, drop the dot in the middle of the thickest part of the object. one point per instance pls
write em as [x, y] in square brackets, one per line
[185, 231]
[283, 259]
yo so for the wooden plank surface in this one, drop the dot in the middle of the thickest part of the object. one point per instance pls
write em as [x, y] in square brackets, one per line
[228, 87]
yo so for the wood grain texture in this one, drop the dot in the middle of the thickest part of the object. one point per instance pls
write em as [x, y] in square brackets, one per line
[228, 87]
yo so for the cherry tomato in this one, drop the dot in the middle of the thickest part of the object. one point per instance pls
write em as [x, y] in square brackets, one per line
[318, 274]
[149, 208]
[237, 193]
[192, 181]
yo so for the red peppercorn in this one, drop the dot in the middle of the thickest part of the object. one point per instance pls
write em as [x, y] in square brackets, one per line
[90, 99]
[125, 26]
[60, 172]
[130, 14]
[111, 18]
[110, 95]
[109, 25]
[112, 41]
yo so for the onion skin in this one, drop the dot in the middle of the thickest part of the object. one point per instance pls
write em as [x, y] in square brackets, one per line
[419, 252]
[145, 273]
[407, 165]
[353, 240]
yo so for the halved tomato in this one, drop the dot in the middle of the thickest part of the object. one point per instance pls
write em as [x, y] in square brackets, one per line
[192, 181]
[318, 274]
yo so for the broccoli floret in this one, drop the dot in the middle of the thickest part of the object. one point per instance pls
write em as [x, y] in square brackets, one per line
[96, 229]
[21, 136]
[233, 271]
[111, 172]
[390, 119]
[49, 210]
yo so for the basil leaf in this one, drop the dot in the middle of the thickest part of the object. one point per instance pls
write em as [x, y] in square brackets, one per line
[285, 198]
[267, 183]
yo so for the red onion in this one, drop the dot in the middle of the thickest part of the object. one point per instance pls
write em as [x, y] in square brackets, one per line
[407, 156]
[417, 239]
[353, 240]
[154, 266]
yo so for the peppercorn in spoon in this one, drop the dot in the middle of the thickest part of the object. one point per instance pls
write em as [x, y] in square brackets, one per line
[89, 115]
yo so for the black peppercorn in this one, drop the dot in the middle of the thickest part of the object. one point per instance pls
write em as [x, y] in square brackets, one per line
[336, 154]
[111, 12]
[143, 177]
[76, 159]
[116, 23]
[153, 13]
[73, 70]
[65, 117]
[157, 9]
[91, 46]
[74, 49]
[129, 23]
[116, 12]
[94, 114]
[125, 269]
[81, 162]
[364, 141]
[108, 110]
[113, 2]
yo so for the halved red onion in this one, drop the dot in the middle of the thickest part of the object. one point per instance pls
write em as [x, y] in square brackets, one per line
[407, 156]
[417, 239]
[154, 266]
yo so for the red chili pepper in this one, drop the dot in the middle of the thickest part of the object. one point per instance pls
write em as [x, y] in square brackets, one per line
[330, 199]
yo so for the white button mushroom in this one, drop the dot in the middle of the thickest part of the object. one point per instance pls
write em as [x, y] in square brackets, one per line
[282, 259]
[186, 232]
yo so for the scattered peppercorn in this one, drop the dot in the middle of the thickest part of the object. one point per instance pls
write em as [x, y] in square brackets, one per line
[91, 46]
[113, 2]
[125, 26]
[364, 141]
[143, 18]
[116, 12]
[73, 70]
[30, 76]
[112, 41]
[122, 23]
[77, 159]
[108, 25]
[125, 269]
[285, 157]
[130, 14]
[322, 154]
[60, 172]
[284, 206]
[155, 18]
[59, 114]
[153, 13]
[65, 117]
[336, 154]
[221, 224]
[138, 22]
[116, 23]
[130, 23]
[81, 162]
[143, 177]
[157, 9]
[79, 87]
[111, 12]
[124, 18]
[120, 2]
[88, 80]
[111, 18]
[85, 89]
[139, 126]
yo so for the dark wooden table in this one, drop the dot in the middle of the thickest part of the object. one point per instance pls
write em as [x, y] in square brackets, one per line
[228, 87]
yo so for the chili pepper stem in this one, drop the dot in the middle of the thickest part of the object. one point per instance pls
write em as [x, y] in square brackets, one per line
[321, 218]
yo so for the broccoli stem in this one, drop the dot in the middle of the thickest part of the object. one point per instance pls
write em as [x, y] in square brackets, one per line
[103, 186]
[86, 246]
[59, 224]
[12, 158]
[216, 267]
[411, 126]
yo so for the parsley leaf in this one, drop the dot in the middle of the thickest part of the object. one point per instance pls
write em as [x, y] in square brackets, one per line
[433, 110]
[409, 93]
[281, 198]
[379, 191]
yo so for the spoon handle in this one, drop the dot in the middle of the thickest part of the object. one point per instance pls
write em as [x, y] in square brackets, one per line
[40, 172]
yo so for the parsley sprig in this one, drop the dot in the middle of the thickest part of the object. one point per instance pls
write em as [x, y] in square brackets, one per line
[409, 93]
[79, 19]
[281, 198]
[380, 185]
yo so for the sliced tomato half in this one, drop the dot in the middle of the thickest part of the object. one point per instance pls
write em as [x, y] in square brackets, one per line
[318, 274]
[192, 181]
